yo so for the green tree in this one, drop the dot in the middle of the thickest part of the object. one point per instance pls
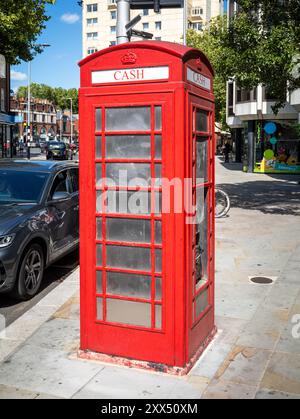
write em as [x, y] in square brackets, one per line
[259, 45]
[21, 23]
[59, 96]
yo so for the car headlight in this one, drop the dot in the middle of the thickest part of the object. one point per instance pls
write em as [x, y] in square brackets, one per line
[6, 240]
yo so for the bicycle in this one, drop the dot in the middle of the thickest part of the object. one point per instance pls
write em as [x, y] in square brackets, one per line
[222, 206]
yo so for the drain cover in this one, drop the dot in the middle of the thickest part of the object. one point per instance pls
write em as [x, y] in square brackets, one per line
[264, 280]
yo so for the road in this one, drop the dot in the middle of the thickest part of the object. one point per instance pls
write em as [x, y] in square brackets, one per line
[54, 275]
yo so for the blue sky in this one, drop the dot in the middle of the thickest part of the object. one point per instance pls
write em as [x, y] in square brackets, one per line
[57, 65]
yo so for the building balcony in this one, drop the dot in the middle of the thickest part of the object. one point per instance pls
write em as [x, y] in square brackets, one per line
[295, 99]
[249, 111]
[111, 4]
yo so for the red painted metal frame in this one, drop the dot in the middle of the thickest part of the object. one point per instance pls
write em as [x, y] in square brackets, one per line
[180, 339]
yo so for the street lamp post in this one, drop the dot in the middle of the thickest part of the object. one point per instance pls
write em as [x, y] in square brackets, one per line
[28, 133]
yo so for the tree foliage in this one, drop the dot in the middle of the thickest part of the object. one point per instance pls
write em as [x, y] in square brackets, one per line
[21, 23]
[260, 44]
[57, 95]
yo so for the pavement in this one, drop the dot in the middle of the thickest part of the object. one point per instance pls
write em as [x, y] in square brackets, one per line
[256, 352]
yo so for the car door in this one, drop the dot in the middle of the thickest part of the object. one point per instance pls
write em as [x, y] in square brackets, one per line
[74, 180]
[60, 214]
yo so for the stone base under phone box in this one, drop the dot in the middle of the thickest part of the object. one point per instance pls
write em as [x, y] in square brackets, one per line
[146, 365]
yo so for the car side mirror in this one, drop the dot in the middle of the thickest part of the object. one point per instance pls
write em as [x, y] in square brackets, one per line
[60, 196]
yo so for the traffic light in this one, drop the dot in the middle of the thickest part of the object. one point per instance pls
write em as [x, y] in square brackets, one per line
[156, 5]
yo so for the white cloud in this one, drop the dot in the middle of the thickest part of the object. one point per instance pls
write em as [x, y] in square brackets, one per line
[18, 76]
[70, 18]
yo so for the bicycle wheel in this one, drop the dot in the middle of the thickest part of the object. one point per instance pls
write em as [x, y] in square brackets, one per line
[222, 203]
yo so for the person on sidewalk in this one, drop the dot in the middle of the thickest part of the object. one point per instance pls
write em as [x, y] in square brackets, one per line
[226, 151]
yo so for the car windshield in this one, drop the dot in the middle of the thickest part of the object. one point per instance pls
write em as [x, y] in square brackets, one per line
[57, 146]
[21, 186]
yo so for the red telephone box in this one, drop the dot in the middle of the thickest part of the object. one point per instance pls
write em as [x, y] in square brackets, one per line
[147, 204]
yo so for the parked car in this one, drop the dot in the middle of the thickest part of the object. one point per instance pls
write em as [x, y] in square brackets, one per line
[39, 206]
[56, 150]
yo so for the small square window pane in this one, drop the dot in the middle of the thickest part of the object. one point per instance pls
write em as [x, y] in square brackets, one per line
[158, 237]
[201, 120]
[128, 147]
[128, 230]
[158, 202]
[158, 146]
[137, 258]
[99, 308]
[128, 119]
[98, 174]
[128, 312]
[158, 175]
[99, 228]
[128, 285]
[158, 316]
[129, 174]
[124, 202]
[201, 160]
[99, 255]
[201, 302]
[99, 282]
[157, 118]
[98, 119]
[158, 288]
[158, 260]
[98, 147]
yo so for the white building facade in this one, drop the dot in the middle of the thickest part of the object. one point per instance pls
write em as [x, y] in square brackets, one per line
[100, 24]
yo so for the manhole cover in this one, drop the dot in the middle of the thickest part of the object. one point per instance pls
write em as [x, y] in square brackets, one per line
[264, 280]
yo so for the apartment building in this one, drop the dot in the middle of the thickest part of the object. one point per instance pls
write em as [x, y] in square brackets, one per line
[265, 142]
[42, 117]
[100, 24]
[6, 119]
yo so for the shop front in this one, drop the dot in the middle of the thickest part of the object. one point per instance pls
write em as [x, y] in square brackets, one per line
[6, 125]
[272, 146]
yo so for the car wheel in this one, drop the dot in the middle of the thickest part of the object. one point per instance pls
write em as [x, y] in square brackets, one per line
[31, 273]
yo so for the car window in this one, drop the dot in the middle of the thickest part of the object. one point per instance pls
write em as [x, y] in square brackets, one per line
[60, 184]
[74, 179]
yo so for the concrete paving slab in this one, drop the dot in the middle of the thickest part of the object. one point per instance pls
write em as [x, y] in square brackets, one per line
[58, 334]
[125, 383]
[11, 393]
[221, 389]
[47, 371]
[290, 337]
[265, 328]
[229, 298]
[212, 359]
[275, 395]
[244, 366]
[282, 373]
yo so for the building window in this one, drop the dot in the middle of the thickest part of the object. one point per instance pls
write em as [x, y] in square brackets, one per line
[43, 118]
[92, 7]
[113, 29]
[113, 14]
[145, 12]
[197, 26]
[92, 22]
[145, 26]
[197, 11]
[91, 50]
[92, 35]
[158, 26]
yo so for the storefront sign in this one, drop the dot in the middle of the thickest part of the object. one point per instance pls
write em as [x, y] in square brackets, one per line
[198, 79]
[130, 75]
